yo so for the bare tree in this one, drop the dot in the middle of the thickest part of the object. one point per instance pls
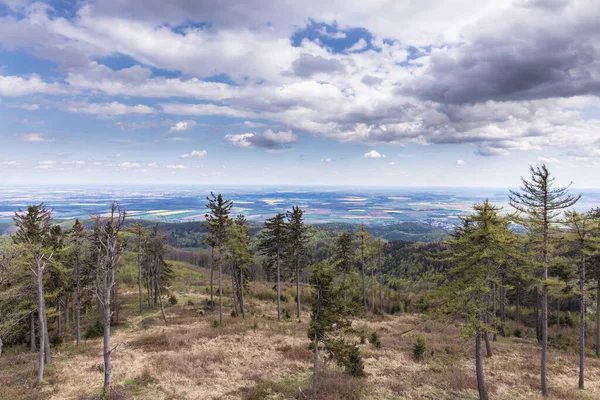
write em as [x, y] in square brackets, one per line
[109, 249]
[33, 228]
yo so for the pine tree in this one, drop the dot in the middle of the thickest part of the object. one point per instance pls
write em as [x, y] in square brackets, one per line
[476, 250]
[33, 230]
[344, 258]
[218, 224]
[297, 240]
[272, 245]
[539, 205]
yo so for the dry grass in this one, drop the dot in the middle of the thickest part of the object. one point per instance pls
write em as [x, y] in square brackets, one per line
[258, 358]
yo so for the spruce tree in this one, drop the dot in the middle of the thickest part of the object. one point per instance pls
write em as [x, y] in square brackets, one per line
[344, 258]
[297, 240]
[272, 245]
[364, 238]
[240, 253]
[139, 232]
[218, 223]
[539, 205]
[476, 250]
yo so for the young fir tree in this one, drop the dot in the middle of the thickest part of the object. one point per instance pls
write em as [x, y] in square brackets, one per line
[218, 224]
[297, 240]
[539, 205]
[240, 253]
[344, 258]
[109, 248]
[33, 230]
[272, 245]
[328, 321]
[477, 248]
[582, 226]
[139, 232]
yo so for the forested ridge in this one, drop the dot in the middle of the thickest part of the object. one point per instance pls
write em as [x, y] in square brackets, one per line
[345, 302]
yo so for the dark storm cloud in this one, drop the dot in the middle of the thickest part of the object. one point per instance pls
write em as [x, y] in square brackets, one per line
[550, 51]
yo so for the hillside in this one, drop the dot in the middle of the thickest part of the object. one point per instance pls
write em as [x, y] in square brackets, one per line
[259, 358]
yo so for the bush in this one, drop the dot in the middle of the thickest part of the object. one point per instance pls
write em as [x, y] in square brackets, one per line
[374, 339]
[419, 348]
[517, 333]
[94, 331]
[190, 302]
[172, 300]
[286, 314]
[362, 337]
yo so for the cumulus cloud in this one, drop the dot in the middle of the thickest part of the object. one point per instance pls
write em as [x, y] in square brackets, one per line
[183, 126]
[460, 162]
[327, 160]
[373, 154]
[308, 65]
[128, 165]
[360, 45]
[550, 160]
[12, 86]
[195, 154]
[36, 138]
[176, 166]
[30, 107]
[113, 108]
[266, 140]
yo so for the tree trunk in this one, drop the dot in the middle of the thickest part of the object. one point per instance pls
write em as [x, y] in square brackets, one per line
[139, 265]
[598, 318]
[495, 316]
[162, 306]
[479, 367]
[372, 288]
[344, 285]
[380, 284]
[544, 357]
[278, 290]
[557, 316]
[220, 288]
[582, 324]
[315, 367]
[107, 349]
[362, 274]
[234, 289]
[488, 346]
[242, 294]
[212, 272]
[77, 304]
[41, 325]
[32, 332]
[297, 289]
[48, 355]
[503, 309]
[67, 311]
[58, 317]
[536, 309]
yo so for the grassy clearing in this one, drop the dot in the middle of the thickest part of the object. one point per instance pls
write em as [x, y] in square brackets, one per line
[258, 358]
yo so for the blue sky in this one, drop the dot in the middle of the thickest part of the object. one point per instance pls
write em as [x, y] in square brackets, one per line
[344, 93]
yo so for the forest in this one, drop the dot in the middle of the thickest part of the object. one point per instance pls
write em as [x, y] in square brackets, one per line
[503, 306]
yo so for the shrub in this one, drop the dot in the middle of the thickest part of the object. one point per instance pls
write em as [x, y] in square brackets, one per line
[190, 302]
[353, 362]
[172, 300]
[215, 323]
[419, 348]
[286, 314]
[517, 332]
[94, 331]
[362, 337]
[374, 339]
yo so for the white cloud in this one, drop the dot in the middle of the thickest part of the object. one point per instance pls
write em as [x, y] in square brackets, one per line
[334, 35]
[195, 154]
[152, 165]
[113, 108]
[10, 163]
[36, 138]
[12, 86]
[128, 165]
[30, 107]
[266, 140]
[47, 164]
[183, 126]
[392, 163]
[549, 160]
[176, 166]
[460, 162]
[326, 160]
[361, 44]
[373, 154]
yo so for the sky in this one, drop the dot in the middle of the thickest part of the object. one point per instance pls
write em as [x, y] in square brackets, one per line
[366, 93]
